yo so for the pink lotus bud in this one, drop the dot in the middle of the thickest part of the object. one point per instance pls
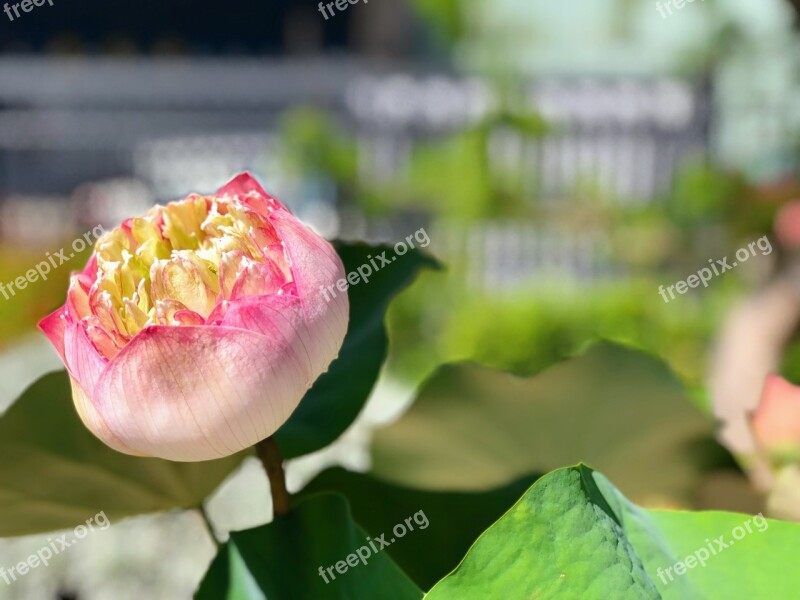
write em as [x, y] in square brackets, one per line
[787, 225]
[195, 330]
[776, 421]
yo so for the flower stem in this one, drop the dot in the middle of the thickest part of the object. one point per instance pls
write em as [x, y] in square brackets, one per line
[270, 456]
[210, 526]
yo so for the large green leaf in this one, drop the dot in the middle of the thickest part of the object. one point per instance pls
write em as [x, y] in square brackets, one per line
[624, 411]
[573, 535]
[759, 563]
[285, 557]
[337, 397]
[454, 519]
[54, 474]
[228, 578]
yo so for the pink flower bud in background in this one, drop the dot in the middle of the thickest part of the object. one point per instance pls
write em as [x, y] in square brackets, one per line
[787, 225]
[195, 330]
[776, 421]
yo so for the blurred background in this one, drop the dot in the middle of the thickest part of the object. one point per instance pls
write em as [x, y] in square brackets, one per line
[566, 159]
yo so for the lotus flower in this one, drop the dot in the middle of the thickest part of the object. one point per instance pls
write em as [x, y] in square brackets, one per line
[195, 330]
[776, 421]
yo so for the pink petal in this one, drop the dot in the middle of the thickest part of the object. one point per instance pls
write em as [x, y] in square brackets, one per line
[95, 423]
[84, 365]
[105, 344]
[53, 326]
[257, 279]
[188, 317]
[315, 267]
[776, 421]
[243, 185]
[198, 393]
[228, 271]
[83, 361]
[78, 296]
[279, 317]
[90, 269]
[787, 225]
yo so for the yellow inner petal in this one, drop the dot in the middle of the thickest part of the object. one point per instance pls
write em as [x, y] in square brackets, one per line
[167, 262]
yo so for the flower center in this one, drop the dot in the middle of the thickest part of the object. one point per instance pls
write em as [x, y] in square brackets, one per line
[174, 266]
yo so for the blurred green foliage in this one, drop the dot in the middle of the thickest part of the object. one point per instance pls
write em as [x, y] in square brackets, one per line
[313, 143]
[446, 18]
[701, 194]
[20, 313]
[473, 427]
[460, 184]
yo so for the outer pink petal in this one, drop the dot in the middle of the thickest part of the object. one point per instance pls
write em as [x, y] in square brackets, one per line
[315, 266]
[198, 393]
[84, 365]
[91, 267]
[243, 185]
[280, 317]
[83, 361]
[776, 422]
[94, 421]
[53, 326]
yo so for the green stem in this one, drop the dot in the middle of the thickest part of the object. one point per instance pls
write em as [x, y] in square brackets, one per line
[209, 525]
[270, 456]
